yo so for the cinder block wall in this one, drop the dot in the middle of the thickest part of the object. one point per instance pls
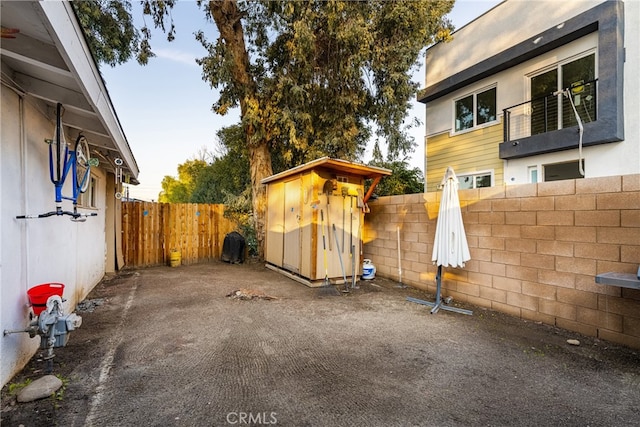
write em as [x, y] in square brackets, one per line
[535, 251]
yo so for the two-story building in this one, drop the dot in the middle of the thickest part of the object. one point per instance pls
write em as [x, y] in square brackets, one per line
[535, 91]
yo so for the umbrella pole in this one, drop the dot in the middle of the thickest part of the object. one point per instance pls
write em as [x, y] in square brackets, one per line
[437, 305]
[445, 251]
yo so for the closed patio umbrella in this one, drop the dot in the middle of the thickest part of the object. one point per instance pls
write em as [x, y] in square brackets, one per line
[450, 248]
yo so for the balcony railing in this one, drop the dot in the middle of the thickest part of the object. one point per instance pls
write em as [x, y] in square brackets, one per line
[542, 115]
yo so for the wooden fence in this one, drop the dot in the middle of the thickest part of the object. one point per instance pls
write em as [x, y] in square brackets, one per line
[152, 231]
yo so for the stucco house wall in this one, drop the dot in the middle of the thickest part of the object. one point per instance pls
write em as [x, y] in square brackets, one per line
[40, 250]
[48, 62]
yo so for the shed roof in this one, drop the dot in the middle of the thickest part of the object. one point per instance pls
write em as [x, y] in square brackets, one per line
[333, 164]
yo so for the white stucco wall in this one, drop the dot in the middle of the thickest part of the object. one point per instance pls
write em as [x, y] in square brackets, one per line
[44, 250]
[631, 83]
[506, 25]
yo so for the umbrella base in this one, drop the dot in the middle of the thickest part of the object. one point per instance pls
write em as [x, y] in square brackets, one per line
[438, 305]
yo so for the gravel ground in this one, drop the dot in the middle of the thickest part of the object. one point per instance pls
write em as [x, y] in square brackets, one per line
[176, 347]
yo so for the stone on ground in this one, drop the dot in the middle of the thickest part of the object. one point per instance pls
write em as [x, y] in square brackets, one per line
[39, 389]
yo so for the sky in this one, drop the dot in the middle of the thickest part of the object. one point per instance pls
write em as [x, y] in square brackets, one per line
[165, 107]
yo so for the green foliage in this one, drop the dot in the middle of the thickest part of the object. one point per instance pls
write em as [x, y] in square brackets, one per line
[110, 32]
[202, 182]
[14, 388]
[59, 394]
[228, 173]
[322, 77]
[403, 180]
[311, 78]
[180, 190]
[238, 208]
[225, 180]
[327, 75]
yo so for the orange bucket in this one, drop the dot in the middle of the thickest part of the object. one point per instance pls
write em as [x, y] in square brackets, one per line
[38, 295]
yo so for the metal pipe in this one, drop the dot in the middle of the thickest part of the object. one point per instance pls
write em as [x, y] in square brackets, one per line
[400, 284]
[15, 331]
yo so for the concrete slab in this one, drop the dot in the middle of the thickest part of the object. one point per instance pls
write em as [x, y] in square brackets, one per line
[169, 347]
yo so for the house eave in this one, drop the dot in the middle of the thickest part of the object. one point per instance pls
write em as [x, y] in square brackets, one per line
[50, 62]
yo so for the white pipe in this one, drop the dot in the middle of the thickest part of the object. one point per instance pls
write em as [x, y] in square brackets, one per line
[25, 255]
[580, 168]
[567, 93]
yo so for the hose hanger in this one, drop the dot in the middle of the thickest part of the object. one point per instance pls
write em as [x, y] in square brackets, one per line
[118, 176]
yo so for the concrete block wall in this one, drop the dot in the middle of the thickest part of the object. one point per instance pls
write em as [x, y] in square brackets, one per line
[535, 251]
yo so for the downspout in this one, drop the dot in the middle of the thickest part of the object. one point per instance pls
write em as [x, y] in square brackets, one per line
[24, 230]
[568, 95]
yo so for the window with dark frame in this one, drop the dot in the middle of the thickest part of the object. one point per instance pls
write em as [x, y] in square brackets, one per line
[464, 113]
[475, 109]
[470, 181]
[562, 171]
[577, 76]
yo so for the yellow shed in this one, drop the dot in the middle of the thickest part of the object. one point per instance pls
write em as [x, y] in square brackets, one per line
[315, 212]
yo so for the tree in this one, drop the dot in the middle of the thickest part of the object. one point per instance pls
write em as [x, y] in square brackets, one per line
[315, 78]
[110, 33]
[180, 190]
[211, 177]
[228, 172]
[402, 179]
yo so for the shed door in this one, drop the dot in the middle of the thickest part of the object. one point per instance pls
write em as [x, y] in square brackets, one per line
[274, 250]
[292, 218]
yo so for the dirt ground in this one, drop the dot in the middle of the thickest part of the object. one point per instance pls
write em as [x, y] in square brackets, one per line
[167, 347]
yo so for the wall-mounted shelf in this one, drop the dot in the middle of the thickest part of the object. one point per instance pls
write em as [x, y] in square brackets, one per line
[624, 280]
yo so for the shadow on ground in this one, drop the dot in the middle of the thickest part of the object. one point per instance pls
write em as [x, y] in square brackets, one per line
[174, 347]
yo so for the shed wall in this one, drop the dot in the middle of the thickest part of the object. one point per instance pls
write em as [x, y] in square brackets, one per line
[314, 214]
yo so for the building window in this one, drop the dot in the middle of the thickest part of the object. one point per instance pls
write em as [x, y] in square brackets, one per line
[475, 109]
[533, 174]
[544, 105]
[88, 198]
[579, 78]
[476, 180]
[560, 171]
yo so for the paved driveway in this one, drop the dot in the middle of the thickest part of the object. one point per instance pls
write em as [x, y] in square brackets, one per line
[168, 347]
